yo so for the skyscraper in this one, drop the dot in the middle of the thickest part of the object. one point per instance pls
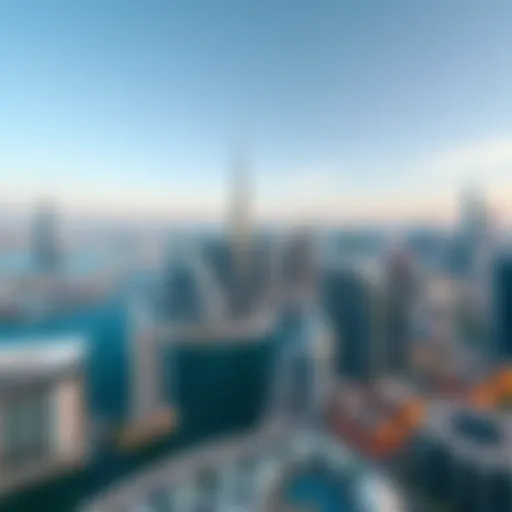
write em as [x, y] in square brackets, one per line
[45, 246]
[303, 370]
[298, 263]
[473, 238]
[182, 297]
[352, 300]
[242, 261]
[502, 291]
[241, 238]
[398, 317]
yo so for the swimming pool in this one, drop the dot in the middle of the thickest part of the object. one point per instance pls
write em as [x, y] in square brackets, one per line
[317, 490]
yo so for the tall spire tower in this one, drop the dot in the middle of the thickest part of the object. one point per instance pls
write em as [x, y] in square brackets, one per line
[240, 207]
[241, 230]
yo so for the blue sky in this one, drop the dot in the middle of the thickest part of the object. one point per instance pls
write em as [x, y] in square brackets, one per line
[344, 107]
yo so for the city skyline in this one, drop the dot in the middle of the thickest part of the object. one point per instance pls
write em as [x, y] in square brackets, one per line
[348, 112]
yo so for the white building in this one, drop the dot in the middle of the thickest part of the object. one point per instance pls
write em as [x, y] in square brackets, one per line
[43, 420]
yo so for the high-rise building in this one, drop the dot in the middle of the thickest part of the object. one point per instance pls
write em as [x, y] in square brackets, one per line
[475, 218]
[473, 239]
[182, 297]
[303, 371]
[242, 298]
[45, 245]
[398, 313]
[43, 421]
[241, 233]
[299, 269]
[502, 306]
[242, 261]
[353, 301]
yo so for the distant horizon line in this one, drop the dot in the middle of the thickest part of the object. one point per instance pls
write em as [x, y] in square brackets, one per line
[91, 218]
[408, 210]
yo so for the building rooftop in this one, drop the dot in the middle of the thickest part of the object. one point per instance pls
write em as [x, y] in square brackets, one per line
[34, 359]
[252, 329]
[481, 437]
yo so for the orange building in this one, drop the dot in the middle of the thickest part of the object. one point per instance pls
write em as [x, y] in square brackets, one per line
[378, 420]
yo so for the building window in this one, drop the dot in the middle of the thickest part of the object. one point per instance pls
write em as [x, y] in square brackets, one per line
[12, 436]
[26, 433]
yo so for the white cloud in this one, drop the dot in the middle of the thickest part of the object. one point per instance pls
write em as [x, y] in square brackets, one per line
[487, 162]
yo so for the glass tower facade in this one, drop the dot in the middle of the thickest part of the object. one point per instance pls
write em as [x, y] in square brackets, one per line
[502, 284]
[348, 303]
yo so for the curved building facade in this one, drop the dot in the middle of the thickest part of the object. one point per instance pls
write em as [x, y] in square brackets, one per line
[267, 470]
[462, 458]
[303, 366]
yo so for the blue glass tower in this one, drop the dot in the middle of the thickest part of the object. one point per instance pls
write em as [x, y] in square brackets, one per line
[398, 314]
[348, 302]
[502, 291]
[302, 372]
